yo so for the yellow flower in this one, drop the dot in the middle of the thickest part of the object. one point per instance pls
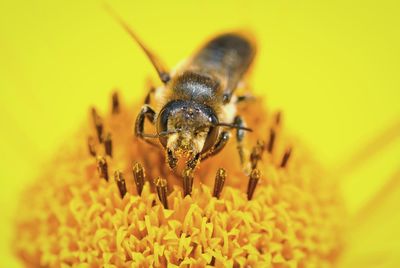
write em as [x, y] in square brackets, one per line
[74, 213]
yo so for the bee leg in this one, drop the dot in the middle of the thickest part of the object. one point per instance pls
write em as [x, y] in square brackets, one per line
[148, 96]
[171, 159]
[150, 114]
[151, 92]
[192, 162]
[238, 121]
[219, 145]
[188, 173]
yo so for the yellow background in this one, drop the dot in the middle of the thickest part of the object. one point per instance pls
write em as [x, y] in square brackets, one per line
[331, 66]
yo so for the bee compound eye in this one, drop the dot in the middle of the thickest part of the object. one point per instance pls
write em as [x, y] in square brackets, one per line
[162, 126]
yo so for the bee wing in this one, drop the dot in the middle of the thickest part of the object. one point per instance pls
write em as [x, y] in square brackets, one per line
[229, 56]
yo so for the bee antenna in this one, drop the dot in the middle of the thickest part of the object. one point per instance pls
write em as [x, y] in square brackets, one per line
[150, 136]
[161, 134]
[233, 126]
[162, 72]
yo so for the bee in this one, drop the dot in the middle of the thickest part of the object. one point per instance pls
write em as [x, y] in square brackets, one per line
[197, 100]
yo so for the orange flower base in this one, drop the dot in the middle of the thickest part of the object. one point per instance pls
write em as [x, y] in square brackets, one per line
[71, 216]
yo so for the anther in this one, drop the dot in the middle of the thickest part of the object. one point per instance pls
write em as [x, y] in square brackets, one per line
[115, 103]
[187, 182]
[256, 153]
[219, 182]
[271, 142]
[212, 262]
[94, 113]
[138, 175]
[98, 123]
[108, 144]
[91, 146]
[253, 180]
[286, 157]
[278, 118]
[102, 167]
[119, 179]
[161, 186]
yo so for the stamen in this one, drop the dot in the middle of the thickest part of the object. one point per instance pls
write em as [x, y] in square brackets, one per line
[187, 182]
[212, 262]
[94, 113]
[119, 179]
[138, 175]
[161, 186]
[256, 154]
[102, 167]
[253, 180]
[108, 144]
[219, 182]
[286, 157]
[91, 146]
[271, 142]
[98, 123]
[278, 118]
[115, 103]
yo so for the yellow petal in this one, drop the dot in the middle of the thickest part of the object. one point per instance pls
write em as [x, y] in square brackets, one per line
[374, 237]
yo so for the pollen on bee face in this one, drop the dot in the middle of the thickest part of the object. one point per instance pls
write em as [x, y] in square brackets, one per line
[278, 211]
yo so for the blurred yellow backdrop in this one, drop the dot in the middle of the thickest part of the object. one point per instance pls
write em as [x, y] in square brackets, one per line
[331, 66]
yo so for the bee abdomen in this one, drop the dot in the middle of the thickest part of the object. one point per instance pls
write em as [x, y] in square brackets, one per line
[228, 55]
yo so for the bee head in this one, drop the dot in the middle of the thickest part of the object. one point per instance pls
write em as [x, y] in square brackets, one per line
[187, 127]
